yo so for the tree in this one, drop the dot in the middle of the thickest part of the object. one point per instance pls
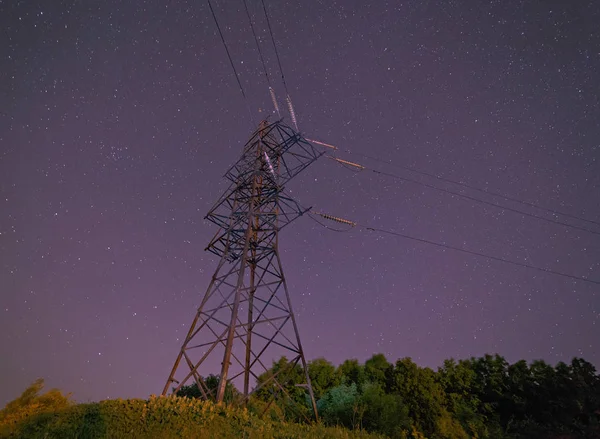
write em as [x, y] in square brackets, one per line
[291, 378]
[458, 381]
[490, 383]
[586, 385]
[212, 383]
[563, 399]
[419, 391]
[351, 371]
[287, 374]
[338, 405]
[381, 412]
[323, 376]
[31, 403]
[375, 369]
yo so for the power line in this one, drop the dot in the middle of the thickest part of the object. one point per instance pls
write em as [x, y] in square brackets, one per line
[262, 59]
[237, 77]
[447, 180]
[459, 249]
[275, 46]
[489, 203]
[474, 253]
[484, 191]
[477, 200]
[287, 92]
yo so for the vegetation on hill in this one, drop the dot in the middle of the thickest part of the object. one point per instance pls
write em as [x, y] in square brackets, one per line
[476, 398]
[52, 416]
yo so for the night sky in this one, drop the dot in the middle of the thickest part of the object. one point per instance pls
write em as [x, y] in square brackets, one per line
[118, 120]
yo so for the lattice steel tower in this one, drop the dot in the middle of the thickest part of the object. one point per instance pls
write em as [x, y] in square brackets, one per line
[246, 317]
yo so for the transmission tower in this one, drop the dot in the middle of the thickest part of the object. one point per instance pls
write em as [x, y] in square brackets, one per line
[246, 317]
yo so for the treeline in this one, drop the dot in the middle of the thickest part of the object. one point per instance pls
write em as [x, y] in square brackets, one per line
[476, 398]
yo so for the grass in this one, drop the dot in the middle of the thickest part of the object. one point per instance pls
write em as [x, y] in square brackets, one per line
[162, 418]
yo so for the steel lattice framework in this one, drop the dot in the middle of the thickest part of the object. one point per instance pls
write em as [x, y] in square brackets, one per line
[246, 315]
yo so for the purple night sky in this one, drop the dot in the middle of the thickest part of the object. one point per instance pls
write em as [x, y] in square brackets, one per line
[118, 120]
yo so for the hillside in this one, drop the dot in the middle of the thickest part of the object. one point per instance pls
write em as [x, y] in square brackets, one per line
[161, 418]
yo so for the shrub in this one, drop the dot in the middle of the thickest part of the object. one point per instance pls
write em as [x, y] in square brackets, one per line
[164, 418]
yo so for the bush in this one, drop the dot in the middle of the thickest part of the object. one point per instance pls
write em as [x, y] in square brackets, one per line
[163, 418]
[31, 404]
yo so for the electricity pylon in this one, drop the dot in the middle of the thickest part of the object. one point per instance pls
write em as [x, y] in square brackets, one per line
[246, 317]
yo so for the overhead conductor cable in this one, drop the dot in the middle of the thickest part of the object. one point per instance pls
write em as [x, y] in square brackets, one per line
[461, 195]
[262, 59]
[460, 183]
[459, 249]
[287, 92]
[237, 77]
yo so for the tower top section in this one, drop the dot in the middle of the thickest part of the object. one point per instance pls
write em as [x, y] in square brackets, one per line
[273, 156]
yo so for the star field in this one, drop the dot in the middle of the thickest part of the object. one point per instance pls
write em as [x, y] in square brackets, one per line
[118, 120]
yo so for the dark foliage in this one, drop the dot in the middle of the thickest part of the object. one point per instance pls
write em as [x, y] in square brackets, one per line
[476, 398]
